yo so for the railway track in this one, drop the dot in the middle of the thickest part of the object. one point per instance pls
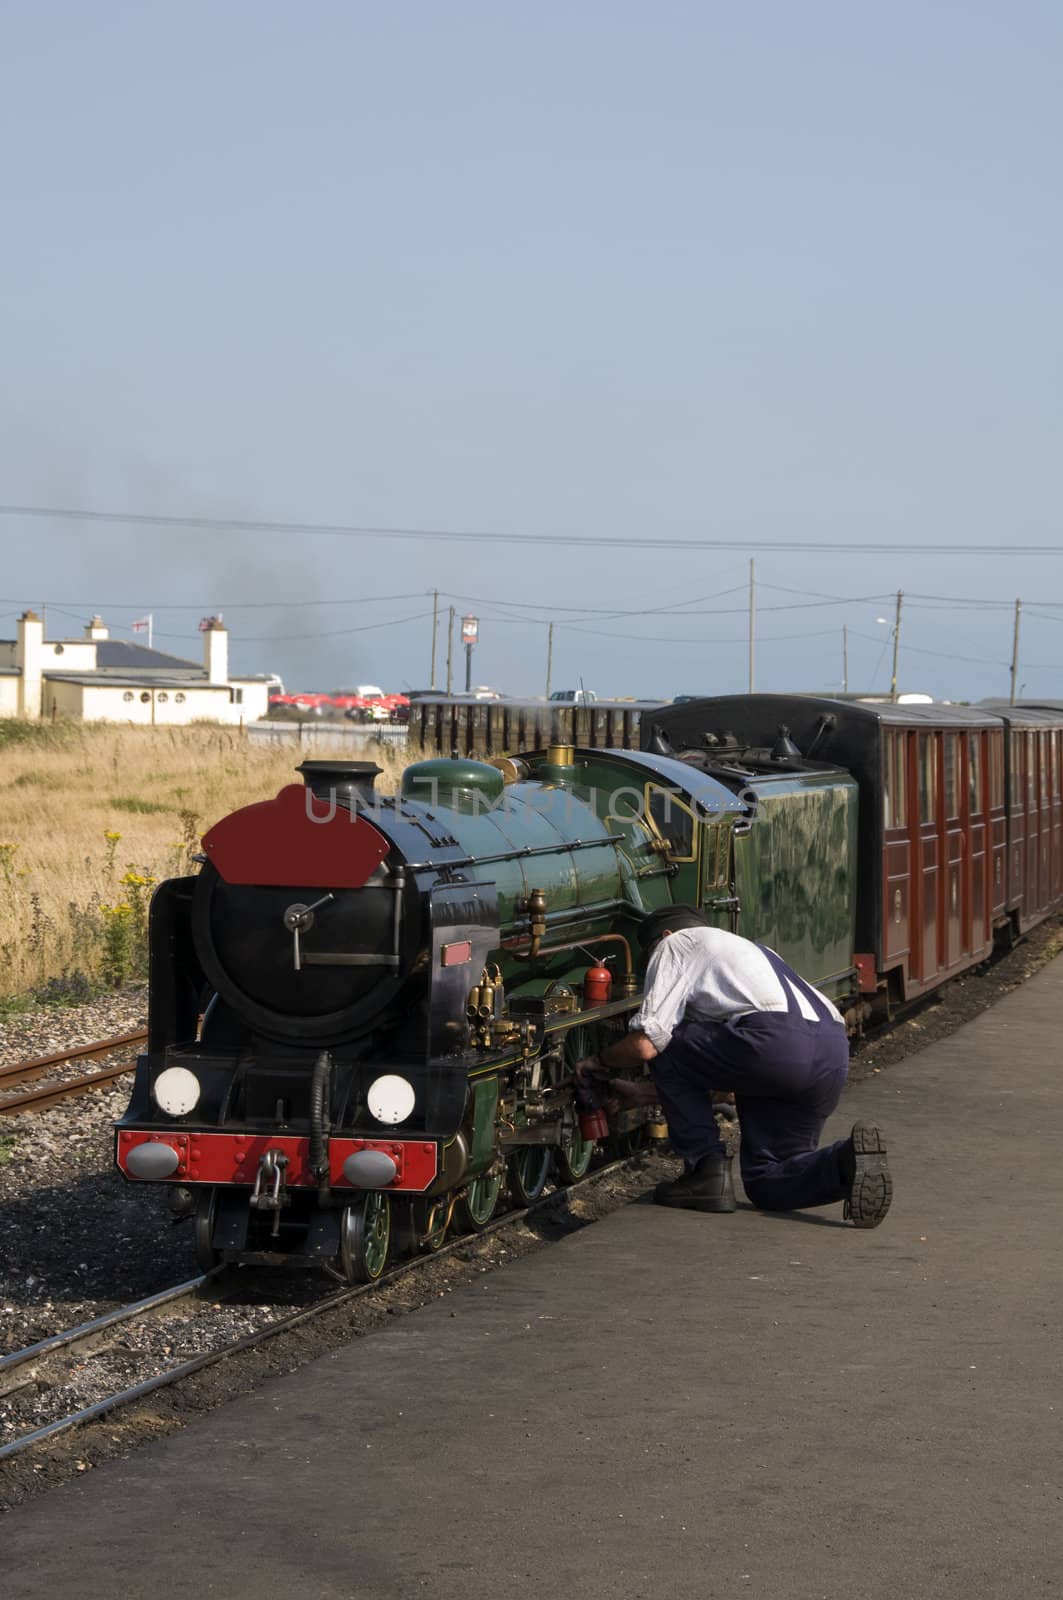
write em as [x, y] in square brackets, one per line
[50, 1094]
[84, 1341]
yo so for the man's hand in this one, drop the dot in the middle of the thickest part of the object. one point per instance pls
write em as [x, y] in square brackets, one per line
[628, 1093]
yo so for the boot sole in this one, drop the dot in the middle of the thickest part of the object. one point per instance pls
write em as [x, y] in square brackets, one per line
[872, 1191]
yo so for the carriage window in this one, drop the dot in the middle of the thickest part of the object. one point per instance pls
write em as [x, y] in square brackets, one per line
[675, 822]
[1016, 769]
[996, 771]
[895, 809]
[951, 802]
[928, 779]
[974, 773]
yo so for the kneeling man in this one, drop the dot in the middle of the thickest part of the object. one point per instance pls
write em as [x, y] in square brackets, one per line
[720, 1012]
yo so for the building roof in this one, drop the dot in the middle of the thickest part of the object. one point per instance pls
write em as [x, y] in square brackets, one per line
[112, 653]
[143, 680]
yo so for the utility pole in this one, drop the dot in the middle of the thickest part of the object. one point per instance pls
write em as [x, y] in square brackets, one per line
[435, 629]
[450, 651]
[845, 659]
[1015, 650]
[549, 656]
[752, 618]
[896, 646]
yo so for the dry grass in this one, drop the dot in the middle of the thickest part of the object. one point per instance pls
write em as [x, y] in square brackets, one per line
[85, 811]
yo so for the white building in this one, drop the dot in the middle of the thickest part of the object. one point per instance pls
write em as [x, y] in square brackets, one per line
[101, 679]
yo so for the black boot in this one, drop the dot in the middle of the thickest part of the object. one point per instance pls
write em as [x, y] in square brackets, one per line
[867, 1174]
[709, 1187]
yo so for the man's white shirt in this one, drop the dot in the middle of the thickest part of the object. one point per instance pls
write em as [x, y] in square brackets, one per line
[712, 975]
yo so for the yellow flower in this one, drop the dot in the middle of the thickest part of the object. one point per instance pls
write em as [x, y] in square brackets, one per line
[112, 838]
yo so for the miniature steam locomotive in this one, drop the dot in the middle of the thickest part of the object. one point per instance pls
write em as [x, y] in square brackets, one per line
[365, 1009]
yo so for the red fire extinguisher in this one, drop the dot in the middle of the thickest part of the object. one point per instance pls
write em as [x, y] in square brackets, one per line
[590, 1109]
[597, 985]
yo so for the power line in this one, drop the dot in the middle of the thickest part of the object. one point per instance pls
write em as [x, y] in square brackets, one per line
[945, 655]
[317, 633]
[702, 639]
[333, 530]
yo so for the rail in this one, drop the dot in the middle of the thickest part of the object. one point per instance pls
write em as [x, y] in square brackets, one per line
[51, 1094]
[206, 1358]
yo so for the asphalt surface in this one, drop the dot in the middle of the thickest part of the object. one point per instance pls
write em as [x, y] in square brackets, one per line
[665, 1404]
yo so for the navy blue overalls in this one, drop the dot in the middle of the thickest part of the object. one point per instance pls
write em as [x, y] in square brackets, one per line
[787, 1073]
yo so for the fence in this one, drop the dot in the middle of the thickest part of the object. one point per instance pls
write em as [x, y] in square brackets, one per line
[349, 737]
[503, 727]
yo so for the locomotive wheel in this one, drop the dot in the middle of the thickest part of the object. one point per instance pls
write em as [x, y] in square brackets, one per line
[528, 1171]
[365, 1234]
[421, 1224]
[631, 1142]
[476, 1205]
[573, 1155]
[436, 1223]
[207, 1258]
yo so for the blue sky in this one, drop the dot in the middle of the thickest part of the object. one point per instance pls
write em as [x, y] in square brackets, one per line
[773, 272]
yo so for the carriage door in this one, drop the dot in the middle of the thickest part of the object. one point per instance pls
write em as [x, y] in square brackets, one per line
[1017, 824]
[954, 796]
[1044, 818]
[1057, 818]
[1031, 895]
[977, 844]
[929, 879]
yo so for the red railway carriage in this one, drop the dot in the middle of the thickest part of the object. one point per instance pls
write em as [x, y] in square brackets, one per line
[1033, 765]
[933, 830]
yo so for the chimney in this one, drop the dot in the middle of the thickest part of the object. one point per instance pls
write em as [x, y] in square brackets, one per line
[97, 629]
[29, 656]
[215, 650]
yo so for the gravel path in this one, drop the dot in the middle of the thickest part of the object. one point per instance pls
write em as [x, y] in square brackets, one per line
[75, 1239]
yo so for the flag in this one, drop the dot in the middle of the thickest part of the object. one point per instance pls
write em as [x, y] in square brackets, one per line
[143, 626]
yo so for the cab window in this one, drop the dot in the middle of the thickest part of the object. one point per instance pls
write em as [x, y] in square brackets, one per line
[674, 821]
[717, 856]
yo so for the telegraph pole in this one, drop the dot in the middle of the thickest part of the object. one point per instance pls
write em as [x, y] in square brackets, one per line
[845, 659]
[896, 646]
[450, 650]
[435, 629]
[1015, 650]
[549, 656]
[752, 618]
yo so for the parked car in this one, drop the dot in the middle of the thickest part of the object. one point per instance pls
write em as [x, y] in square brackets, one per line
[574, 697]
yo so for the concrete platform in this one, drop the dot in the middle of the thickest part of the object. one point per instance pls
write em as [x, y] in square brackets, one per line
[665, 1404]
